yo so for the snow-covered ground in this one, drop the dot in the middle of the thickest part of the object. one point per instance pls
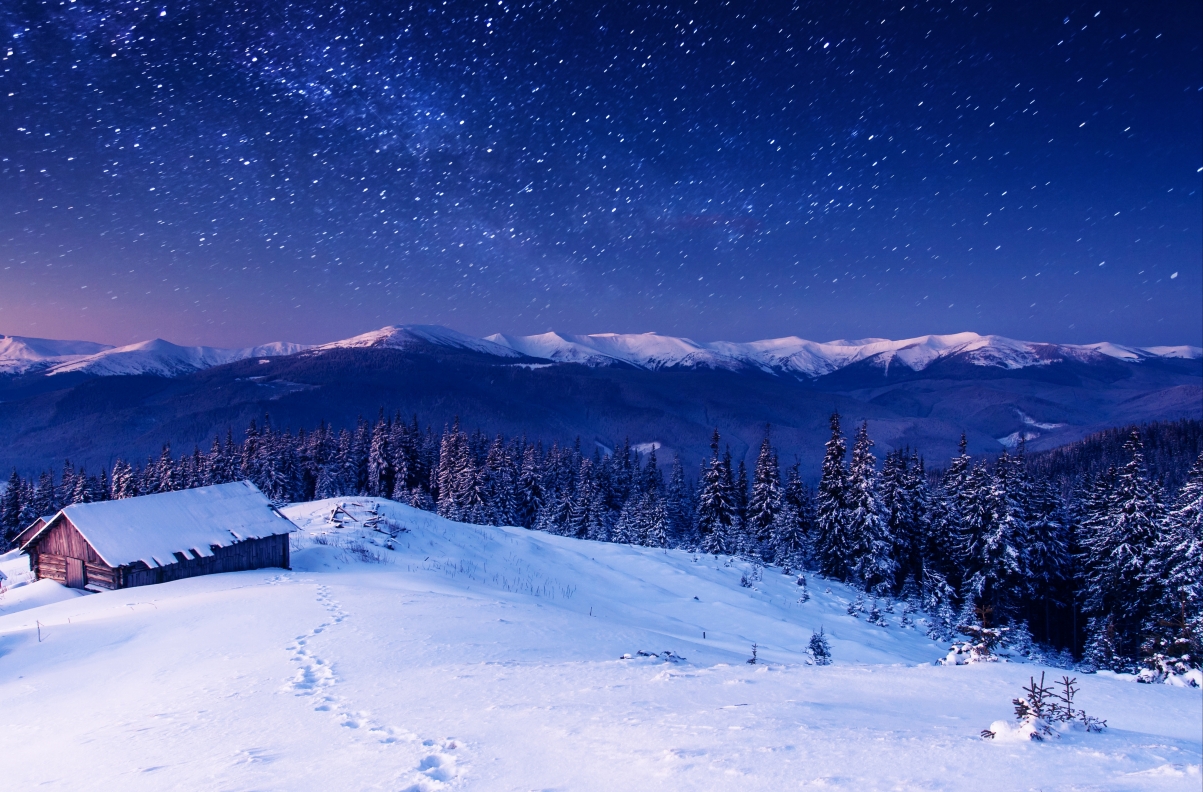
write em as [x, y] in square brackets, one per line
[483, 658]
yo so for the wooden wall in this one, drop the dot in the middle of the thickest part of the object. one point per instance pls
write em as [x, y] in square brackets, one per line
[270, 551]
[48, 557]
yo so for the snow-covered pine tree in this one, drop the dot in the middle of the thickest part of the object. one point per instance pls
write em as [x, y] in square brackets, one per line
[791, 523]
[498, 488]
[656, 533]
[381, 476]
[630, 527]
[66, 484]
[943, 529]
[587, 518]
[678, 508]
[739, 494]
[11, 507]
[1178, 626]
[166, 472]
[529, 493]
[1118, 550]
[85, 490]
[831, 524]
[44, 503]
[868, 541]
[997, 523]
[765, 501]
[819, 649]
[716, 509]
[1046, 554]
[903, 499]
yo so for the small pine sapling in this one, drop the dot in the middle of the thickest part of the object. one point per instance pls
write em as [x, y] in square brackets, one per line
[1035, 709]
[857, 606]
[752, 660]
[743, 581]
[875, 616]
[803, 591]
[1040, 708]
[819, 650]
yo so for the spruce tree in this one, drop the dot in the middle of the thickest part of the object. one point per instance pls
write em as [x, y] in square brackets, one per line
[869, 544]
[1179, 572]
[10, 507]
[43, 495]
[831, 522]
[716, 508]
[380, 473]
[678, 507]
[529, 491]
[1118, 551]
[765, 501]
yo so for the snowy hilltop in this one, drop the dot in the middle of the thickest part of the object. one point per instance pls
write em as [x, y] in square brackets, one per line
[404, 651]
[651, 351]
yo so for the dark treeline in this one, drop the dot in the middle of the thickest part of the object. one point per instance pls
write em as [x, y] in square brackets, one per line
[1169, 449]
[1108, 567]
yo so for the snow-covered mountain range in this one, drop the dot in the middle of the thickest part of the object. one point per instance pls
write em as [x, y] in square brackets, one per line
[814, 359]
[19, 355]
[649, 351]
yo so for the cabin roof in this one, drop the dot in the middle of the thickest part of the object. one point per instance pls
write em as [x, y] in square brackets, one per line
[28, 531]
[152, 528]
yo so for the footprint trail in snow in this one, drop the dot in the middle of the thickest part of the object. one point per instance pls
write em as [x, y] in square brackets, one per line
[316, 678]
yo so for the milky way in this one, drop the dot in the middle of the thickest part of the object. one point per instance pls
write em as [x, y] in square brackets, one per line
[228, 172]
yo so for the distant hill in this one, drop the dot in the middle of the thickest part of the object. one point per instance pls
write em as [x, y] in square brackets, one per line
[919, 392]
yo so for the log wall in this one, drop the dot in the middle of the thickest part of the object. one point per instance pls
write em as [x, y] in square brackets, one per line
[270, 551]
[48, 557]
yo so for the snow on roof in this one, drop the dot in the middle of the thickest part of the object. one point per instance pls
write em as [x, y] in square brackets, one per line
[152, 528]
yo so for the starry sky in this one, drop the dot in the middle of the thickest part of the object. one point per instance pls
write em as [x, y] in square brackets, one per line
[233, 172]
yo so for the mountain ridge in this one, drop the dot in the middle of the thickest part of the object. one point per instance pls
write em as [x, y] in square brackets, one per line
[789, 355]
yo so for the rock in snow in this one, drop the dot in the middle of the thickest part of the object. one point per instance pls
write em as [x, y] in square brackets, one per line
[408, 652]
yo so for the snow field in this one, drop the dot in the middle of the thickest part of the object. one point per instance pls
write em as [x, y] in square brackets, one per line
[471, 657]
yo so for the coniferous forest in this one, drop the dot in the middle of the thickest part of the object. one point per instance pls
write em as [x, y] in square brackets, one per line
[1094, 548]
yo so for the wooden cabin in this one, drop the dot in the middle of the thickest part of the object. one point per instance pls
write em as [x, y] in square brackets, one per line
[28, 531]
[157, 538]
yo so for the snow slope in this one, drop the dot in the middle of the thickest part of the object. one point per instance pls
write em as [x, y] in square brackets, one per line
[481, 658]
[19, 355]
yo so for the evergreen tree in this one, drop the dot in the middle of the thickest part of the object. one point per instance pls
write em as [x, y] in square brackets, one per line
[832, 546]
[765, 501]
[1179, 571]
[380, 472]
[868, 541]
[498, 487]
[996, 527]
[792, 523]
[716, 506]
[1119, 549]
[11, 507]
[1046, 553]
[678, 507]
[44, 503]
[529, 492]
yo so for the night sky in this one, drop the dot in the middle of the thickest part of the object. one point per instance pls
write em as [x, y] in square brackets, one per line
[233, 173]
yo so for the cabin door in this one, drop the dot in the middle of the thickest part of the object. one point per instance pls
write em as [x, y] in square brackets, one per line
[76, 578]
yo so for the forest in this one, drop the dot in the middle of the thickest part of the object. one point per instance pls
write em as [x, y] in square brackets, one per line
[1089, 550]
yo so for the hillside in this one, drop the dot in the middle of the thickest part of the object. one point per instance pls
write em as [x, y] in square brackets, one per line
[471, 657]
